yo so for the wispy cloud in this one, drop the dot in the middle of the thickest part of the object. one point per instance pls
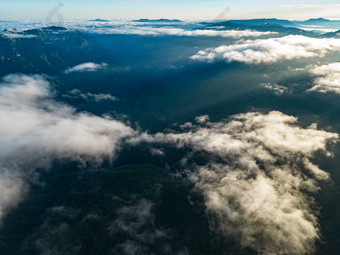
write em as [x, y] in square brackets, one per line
[76, 93]
[137, 222]
[86, 67]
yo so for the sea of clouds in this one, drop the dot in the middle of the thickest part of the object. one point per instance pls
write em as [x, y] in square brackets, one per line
[259, 181]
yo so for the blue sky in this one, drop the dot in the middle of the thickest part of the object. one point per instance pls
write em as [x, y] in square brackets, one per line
[182, 9]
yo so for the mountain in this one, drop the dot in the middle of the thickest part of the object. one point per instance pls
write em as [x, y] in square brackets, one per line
[15, 34]
[54, 28]
[233, 25]
[49, 52]
[11, 31]
[261, 22]
[264, 24]
[314, 21]
[158, 20]
[38, 31]
[118, 185]
[320, 22]
[332, 34]
[99, 20]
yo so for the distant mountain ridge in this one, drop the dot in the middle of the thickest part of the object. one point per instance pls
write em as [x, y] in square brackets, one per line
[281, 22]
[320, 22]
[99, 20]
[282, 26]
[332, 34]
[157, 20]
[260, 26]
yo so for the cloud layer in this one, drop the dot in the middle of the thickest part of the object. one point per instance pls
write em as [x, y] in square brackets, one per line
[17, 36]
[259, 179]
[182, 32]
[137, 28]
[270, 50]
[36, 130]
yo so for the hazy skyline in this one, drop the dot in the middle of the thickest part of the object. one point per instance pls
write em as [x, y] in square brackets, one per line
[185, 10]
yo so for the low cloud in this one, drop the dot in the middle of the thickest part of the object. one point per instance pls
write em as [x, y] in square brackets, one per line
[35, 130]
[206, 32]
[137, 224]
[202, 119]
[259, 181]
[328, 78]
[276, 89]
[76, 93]
[270, 50]
[56, 225]
[86, 67]
[17, 36]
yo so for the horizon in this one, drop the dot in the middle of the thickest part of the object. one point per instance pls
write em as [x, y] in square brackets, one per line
[181, 20]
[189, 10]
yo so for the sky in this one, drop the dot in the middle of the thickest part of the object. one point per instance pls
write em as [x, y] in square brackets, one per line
[180, 9]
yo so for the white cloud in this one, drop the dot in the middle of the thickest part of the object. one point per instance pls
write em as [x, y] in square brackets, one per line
[276, 89]
[86, 67]
[257, 180]
[270, 50]
[17, 36]
[223, 33]
[328, 79]
[35, 129]
[202, 119]
[154, 151]
[318, 29]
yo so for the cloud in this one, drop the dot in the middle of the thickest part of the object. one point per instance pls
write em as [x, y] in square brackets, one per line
[86, 67]
[276, 89]
[205, 32]
[159, 31]
[202, 119]
[17, 36]
[137, 224]
[133, 224]
[100, 97]
[35, 130]
[270, 50]
[259, 179]
[328, 78]
[76, 93]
